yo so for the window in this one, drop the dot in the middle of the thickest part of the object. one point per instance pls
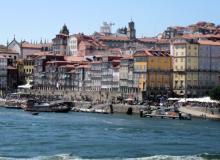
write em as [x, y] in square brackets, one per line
[189, 60]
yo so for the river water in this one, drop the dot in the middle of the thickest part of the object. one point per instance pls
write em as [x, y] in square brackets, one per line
[59, 136]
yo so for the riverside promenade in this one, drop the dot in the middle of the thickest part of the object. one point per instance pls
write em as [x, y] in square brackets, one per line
[210, 113]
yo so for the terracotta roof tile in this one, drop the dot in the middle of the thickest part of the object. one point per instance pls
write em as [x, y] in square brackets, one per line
[74, 59]
[114, 38]
[208, 42]
[32, 46]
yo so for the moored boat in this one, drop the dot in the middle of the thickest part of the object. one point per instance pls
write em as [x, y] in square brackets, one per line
[52, 106]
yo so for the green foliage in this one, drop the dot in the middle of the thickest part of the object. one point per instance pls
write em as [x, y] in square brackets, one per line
[215, 93]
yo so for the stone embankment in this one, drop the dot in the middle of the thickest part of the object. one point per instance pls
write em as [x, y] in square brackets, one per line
[117, 108]
[202, 112]
[123, 108]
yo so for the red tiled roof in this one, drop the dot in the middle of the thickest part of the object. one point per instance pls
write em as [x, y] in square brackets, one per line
[151, 52]
[49, 62]
[68, 66]
[191, 36]
[153, 40]
[114, 38]
[148, 39]
[32, 46]
[4, 49]
[74, 59]
[127, 56]
[208, 42]
[96, 62]
[84, 66]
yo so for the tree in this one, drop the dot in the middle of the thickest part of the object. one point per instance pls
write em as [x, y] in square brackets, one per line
[215, 93]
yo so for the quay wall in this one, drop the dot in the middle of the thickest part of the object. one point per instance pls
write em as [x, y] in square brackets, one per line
[214, 111]
[201, 112]
[95, 96]
[123, 108]
[117, 108]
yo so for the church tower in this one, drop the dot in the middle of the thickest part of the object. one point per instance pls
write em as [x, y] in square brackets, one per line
[131, 30]
[64, 30]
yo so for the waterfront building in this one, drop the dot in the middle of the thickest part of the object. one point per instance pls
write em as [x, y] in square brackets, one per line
[12, 78]
[109, 66]
[21, 74]
[196, 66]
[52, 74]
[185, 67]
[152, 72]
[115, 75]
[64, 77]
[126, 74]
[96, 75]
[28, 68]
[72, 79]
[59, 43]
[3, 73]
[82, 78]
[208, 66]
[40, 62]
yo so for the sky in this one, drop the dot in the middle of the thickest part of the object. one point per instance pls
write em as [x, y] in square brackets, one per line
[35, 19]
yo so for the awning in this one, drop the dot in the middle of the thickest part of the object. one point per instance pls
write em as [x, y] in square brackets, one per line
[26, 86]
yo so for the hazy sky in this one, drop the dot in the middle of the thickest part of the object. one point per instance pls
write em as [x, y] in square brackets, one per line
[33, 19]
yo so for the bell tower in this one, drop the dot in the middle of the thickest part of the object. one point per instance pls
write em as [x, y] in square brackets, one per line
[64, 30]
[131, 30]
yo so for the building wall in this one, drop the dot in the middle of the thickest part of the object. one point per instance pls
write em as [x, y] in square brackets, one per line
[140, 72]
[14, 45]
[3, 73]
[29, 51]
[185, 67]
[204, 58]
[72, 47]
[28, 69]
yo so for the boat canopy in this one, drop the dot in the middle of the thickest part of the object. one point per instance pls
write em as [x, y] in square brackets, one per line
[201, 100]
[26, 86]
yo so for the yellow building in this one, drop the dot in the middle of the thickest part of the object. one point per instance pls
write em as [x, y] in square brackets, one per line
[152, 72]
[28, 69]
[185, 67]
[20, 67]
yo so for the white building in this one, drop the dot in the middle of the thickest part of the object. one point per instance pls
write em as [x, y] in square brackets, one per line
[3, 73]
[72, 45]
